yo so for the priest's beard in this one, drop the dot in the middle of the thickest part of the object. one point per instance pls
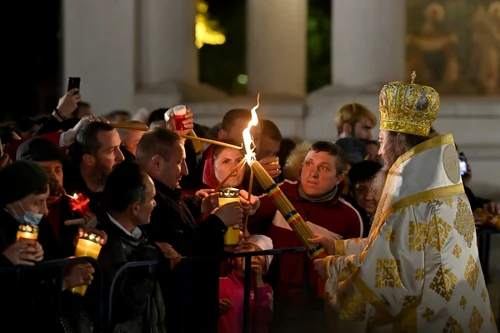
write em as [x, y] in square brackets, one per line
[378, 181]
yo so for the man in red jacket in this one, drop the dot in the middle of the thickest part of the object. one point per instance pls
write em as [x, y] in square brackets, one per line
[317, 198]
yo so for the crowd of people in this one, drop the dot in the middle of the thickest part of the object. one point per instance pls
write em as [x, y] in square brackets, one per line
[151, 194]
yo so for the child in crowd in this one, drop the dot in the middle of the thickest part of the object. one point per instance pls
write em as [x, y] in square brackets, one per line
[231, 291]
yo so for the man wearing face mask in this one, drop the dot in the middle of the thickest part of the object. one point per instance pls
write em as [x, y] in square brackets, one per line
[50, 157]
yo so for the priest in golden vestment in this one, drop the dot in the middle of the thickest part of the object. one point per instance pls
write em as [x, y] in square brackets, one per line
[418, 270]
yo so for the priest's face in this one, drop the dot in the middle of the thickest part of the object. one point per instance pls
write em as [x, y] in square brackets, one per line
[389, 148]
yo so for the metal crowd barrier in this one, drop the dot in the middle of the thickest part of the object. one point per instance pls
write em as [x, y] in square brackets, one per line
[54, 269]
[105, 315]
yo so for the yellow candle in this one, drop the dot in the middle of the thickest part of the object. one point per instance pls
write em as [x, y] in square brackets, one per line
[27, 231]
[228, 195]
[89, 245]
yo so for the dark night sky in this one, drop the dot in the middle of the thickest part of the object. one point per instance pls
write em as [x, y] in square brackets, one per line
[30, 53]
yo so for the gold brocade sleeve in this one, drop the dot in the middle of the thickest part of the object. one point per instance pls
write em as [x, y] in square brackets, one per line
[384, 280]
[346, 247]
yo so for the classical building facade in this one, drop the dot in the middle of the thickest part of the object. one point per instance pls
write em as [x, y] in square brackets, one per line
[133, 54]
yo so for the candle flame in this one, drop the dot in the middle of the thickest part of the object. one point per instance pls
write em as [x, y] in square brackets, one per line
[247, 137]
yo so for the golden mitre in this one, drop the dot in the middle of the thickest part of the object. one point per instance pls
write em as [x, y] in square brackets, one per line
[408, 108]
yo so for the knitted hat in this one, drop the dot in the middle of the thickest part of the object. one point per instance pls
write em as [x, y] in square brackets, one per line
[20, 179]
[264, 242]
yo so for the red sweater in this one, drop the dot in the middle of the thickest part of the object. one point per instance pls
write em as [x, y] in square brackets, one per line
[336, 216]
[261, 306]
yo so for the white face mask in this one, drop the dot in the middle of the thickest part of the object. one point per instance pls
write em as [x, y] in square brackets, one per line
[28, 217]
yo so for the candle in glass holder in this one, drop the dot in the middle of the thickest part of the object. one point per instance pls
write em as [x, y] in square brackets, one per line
[89, 245]
[27, 232]
[228, 195]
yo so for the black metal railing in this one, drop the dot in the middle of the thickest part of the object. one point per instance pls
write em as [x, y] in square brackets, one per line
[104, 314]
[54, 269]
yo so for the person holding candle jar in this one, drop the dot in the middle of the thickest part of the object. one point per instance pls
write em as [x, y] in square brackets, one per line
[25, 188]
[129, 200]
[161, 154]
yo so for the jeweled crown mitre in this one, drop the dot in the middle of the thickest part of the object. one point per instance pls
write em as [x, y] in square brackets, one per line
[408, 107]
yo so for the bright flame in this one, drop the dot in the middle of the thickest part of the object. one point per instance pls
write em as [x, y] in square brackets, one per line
[75, 196]
[247, 137]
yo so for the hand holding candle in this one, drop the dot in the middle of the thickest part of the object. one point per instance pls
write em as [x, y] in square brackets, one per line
[89, 245]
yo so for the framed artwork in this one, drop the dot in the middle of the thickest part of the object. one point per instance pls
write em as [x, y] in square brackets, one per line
[454, 45]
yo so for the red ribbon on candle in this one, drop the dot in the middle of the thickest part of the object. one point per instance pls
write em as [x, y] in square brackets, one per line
[79, 202]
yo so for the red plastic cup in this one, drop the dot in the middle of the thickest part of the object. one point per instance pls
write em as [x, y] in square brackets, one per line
[179, 116]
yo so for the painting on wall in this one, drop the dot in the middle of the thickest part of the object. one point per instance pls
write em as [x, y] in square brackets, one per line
[454, 45]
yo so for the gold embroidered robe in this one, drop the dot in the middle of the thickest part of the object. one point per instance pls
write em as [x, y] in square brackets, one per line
[418, 270]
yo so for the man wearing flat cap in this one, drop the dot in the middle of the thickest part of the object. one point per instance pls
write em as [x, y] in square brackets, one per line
[418, 270]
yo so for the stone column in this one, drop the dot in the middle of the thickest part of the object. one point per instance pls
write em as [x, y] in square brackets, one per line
[120, 47]
[99, 47]
[166, 49]
[368, 42]
[276, 47]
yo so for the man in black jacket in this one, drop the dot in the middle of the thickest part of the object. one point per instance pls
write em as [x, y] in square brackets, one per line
[129, 196]
[161, 154]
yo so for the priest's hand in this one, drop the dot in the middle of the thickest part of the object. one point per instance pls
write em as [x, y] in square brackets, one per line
[328, 243]
[319, 266]
[249, 206]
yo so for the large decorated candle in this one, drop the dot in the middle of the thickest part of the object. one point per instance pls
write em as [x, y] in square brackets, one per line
[273, 191]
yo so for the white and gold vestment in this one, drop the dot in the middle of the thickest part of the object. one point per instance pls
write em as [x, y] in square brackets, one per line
[418, 270]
